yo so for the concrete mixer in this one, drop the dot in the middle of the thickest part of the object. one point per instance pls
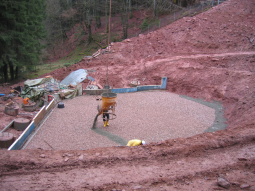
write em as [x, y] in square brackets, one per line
[107, 106]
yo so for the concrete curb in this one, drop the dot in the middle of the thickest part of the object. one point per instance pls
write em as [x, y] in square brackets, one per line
[129, 90]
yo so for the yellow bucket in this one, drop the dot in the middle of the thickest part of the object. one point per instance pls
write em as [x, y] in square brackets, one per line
[108, 99]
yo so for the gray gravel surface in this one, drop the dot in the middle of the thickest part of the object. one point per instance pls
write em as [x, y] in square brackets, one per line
[151, 115]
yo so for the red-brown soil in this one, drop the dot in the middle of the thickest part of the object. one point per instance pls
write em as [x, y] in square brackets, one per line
[210, 56]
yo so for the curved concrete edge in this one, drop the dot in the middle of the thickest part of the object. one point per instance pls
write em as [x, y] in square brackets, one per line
[220, 122]
[34, 123]
[129, 90]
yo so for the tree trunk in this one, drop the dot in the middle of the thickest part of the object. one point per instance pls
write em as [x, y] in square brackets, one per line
[90, 33]
[11, 71]
[5, 71]
[98, 21]
[155, 8]
[16, 72]
[88, 25]
[124, 18]
[106, 16]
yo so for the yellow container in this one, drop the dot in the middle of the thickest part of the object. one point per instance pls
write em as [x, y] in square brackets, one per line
[108, 99]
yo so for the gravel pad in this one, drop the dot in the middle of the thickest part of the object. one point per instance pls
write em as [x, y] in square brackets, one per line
[152, 116]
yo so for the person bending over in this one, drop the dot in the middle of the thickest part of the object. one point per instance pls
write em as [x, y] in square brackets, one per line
[135, 142]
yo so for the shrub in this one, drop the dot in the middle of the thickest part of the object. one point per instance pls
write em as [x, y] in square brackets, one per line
[145, 24]
[67, 64]
[131, 15]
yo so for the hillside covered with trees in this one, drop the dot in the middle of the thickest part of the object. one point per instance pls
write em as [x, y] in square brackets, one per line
[31, 31]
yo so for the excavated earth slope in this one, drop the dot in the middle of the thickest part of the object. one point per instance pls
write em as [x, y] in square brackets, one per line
[210, 56]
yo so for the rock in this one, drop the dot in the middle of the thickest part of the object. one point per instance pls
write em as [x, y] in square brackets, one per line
[67, 154]
[223, 183]
[243, 186]
[81, 157]
[137, 187]
[242, 159]
[127, 40]
[66, 159]
[42, 155]
[235, 183]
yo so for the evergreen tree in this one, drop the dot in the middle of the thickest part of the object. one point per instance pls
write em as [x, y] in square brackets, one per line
[21, 29]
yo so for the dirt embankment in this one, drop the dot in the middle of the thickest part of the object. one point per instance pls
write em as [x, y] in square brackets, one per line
[210, 56]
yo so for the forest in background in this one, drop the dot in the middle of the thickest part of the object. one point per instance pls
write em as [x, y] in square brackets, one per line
[31, 30]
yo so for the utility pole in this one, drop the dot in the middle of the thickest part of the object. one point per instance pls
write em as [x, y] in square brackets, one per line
[106, 86]
[109, 35]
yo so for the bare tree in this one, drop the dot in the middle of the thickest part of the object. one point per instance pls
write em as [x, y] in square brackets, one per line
[125, 16]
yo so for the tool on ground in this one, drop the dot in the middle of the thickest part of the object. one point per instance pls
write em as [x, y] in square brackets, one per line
[107, 107]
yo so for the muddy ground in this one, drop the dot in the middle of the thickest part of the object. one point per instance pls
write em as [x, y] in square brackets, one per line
[209, 56]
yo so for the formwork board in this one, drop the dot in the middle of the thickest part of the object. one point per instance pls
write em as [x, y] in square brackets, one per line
[22, 138]
[51, 105]
[39, 116]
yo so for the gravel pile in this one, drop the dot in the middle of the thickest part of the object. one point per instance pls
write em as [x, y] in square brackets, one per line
[152, 116]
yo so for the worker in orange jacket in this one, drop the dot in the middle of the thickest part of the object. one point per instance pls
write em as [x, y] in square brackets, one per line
[135, 142]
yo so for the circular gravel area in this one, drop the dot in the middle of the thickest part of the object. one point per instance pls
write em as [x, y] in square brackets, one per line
[150, 115]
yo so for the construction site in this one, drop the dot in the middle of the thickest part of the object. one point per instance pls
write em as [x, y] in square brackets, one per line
[186, 89]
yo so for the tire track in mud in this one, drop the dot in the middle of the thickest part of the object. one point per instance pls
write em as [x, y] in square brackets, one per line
[194, 56]
[162, 171]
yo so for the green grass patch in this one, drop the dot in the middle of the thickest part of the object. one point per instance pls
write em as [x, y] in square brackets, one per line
[72, 58]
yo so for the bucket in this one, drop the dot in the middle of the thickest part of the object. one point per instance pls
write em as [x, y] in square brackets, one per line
[25, 100]
[108, 99]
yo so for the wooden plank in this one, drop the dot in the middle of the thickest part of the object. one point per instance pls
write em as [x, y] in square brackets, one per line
[40, 116]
